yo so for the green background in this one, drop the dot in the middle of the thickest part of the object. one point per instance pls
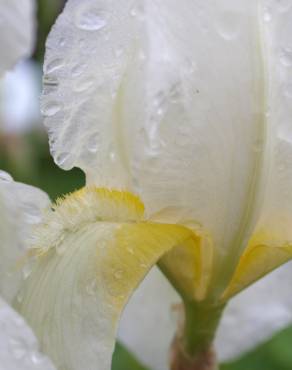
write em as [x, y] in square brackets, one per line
[27, 158]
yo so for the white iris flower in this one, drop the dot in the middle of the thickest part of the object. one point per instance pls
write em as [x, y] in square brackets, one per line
[179, 113]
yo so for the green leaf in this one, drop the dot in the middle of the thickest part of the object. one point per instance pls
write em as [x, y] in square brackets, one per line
[273, 355]
[124, 360]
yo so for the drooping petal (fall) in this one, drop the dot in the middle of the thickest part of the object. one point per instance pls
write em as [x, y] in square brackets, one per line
[17, 26]
[88, 263]
[154, 97]
[21, 209]
[18, 345]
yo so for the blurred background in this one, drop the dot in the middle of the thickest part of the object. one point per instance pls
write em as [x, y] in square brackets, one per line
[24, 153]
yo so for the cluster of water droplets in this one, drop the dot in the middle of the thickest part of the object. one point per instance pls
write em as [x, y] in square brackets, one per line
[70, 83]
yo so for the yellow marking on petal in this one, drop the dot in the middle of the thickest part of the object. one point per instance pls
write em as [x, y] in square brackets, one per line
[263, 254]
[136, 248]
[188, 267]
[85, 206]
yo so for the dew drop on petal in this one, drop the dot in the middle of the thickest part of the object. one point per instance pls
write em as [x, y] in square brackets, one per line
[83, 85]
[37, 358]
[130, 250]
[118, 274]
[286, 57]
[228, 25]
[64, 160]
[27, 269]
[77, 70]
[53, 65]
[51, 108]
[62, 42]
[93, 143]
[91, 287]
[91, 19]
[267, 16]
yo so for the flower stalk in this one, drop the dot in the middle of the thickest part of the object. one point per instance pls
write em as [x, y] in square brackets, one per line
[192, 347]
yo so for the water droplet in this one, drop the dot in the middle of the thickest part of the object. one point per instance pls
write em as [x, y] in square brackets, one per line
[91, 287]
[112, 156]
[190, 67]
[37, 358]
[286, 57]
[93, 143]
[130, 250]
[118, 274]
[53, 65]
[228, 25]
[27, 269]
[50, 84]
[77, 70]
[83, 85]
[51, 108]
[4, 176]
[137, 11]
[267, 16]
[62, 41]
[63, 160]
[91, 19]
[282, 167]
[142, 55]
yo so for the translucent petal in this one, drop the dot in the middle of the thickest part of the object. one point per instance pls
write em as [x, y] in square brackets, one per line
[154, 97]
[17, 26]
[250, 318]
[21, 209]
[80, 284]
[18, 345]
[256, 314]
[276, 213]
[149, 322]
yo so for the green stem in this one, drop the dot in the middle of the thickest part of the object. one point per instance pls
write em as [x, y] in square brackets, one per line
[201, 322]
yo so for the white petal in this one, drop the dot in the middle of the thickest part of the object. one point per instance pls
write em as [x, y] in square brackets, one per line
[276, 214]
[18, 345]
[21, 208]
[87, 54]
[148, 323]
[17, 26]
[155, 96]
[256, 314]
